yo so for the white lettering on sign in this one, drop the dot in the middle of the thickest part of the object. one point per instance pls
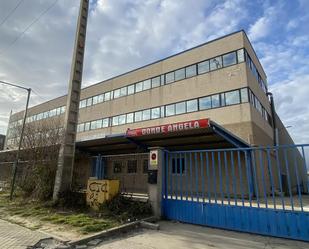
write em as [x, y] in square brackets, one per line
[171, 128]
[167, 128]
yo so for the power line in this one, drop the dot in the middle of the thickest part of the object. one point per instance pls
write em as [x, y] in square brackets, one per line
[30, 25]
[11, 12]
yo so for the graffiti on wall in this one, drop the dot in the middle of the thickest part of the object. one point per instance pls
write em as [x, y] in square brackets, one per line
[96, 193]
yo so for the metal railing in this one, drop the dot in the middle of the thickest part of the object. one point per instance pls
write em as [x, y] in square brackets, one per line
[270, 177]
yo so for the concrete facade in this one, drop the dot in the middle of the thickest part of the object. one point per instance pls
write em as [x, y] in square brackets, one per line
[230, 92]
[243, 119]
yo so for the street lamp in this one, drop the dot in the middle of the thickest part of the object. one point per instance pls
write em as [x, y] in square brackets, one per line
[273, 114]
[21, 134]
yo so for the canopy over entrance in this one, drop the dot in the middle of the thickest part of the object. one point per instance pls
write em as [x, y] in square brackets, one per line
[194, 134]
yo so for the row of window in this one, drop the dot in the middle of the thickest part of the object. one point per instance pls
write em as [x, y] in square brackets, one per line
[39, 116]
[212, 64]
[206, 66]
[119, 167]
[199, 104]
[255, 72]
[257, 104]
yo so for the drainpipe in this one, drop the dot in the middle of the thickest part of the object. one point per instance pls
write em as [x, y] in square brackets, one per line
[273, 113]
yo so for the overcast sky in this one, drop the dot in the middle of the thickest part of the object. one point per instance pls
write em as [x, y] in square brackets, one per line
[125, 34]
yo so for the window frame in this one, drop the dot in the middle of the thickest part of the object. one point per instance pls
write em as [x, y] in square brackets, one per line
[219, 63]
[129, 167]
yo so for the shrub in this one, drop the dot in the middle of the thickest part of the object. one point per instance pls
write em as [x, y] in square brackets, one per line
[70, 199]
[126, 208]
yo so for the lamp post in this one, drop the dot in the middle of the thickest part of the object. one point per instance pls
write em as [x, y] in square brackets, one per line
[21, 134]
[273, 114]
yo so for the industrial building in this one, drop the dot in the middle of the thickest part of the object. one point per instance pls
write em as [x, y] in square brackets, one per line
[211, 96]
[196, 132]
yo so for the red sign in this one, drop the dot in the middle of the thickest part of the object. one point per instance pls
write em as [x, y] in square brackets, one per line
[168, 128]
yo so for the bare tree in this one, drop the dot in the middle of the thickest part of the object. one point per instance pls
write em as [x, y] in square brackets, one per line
[40, 149]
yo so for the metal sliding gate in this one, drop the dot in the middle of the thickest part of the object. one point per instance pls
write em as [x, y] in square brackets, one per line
[258, 190]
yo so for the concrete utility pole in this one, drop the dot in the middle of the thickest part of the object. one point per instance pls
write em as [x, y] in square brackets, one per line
[67, 150]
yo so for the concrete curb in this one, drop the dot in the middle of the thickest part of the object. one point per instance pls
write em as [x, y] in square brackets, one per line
[117, 230]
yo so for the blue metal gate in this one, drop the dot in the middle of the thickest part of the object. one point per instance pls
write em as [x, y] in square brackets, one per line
[260, 190]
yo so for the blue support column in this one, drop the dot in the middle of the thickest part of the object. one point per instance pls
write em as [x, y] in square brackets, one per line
[103, 167]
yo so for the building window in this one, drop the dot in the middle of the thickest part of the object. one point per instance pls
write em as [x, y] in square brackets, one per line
[232, 98]
[139, 87]
[145, 166]
[162, 79]
[180, 74]
[155, 113]
[180, 107]
[122, 119]
[115, 121]
[117, 167]
[123, 91]
[100, 98]
[99, 124]
[87, 126]
[191, 71]
[222, 99]
[216, 63]
[146, 114]
[82, 104]
[81, 127]
[107, 96]
[95, 100]
[203, 67]
[205, 103]
[105, 122]
[62, 109]
[155, 82]
[215, 101]
[170, 110]
[93, 125]
[192, 105]
[116, 93]
[138, 116]
[132, 166]
[162, 112]
[130, 118]
[169, 77]
[240, 55]
[131, 89]
[229, 59]
[244, 95]
[178, 166]
[146, 85]
[89, 102]
[57, 112]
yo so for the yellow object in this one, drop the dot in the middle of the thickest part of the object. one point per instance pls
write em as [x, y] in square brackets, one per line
[99, 191]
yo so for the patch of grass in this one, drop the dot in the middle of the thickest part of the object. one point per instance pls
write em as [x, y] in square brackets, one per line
[94, 228]
[78, 219]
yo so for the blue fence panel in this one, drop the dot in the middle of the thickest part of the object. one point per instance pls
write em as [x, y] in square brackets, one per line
[254, 185]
